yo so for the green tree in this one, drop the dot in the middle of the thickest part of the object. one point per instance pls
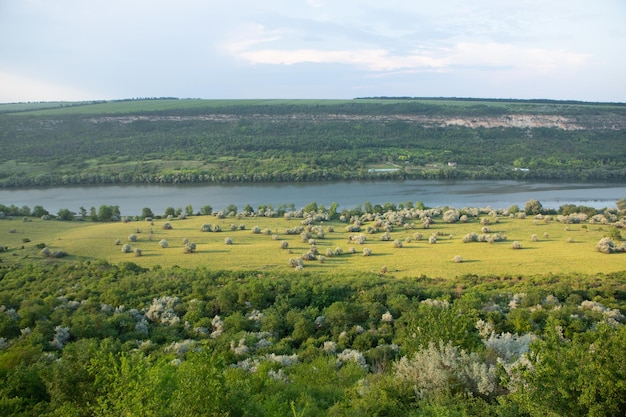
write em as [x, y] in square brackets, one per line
[146, 212]
[189, 210]
[65, 214]
[585, 376]
[206, 210]
[39, 211]
[533, 207]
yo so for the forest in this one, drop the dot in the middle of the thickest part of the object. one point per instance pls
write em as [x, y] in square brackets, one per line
[204, 141]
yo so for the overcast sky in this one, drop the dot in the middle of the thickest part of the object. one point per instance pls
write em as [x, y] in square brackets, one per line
[110, 49]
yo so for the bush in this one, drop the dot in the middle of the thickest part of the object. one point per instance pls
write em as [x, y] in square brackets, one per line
[126, 248]
[516, 245]
[228, 241]
[138, 252]
[367, 252]
[432, 239]
[470, 237]
[296, 263]
[167, 226]
[189, 247]
[457, 258]
[284, 244]
[132, 237]
[256, 230]
[205, 227]
[397, 243]
[163, 243]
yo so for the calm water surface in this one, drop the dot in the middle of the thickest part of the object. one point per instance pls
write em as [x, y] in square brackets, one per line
[497, 194]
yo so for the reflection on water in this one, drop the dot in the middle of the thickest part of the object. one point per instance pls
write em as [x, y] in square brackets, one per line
[497, 194]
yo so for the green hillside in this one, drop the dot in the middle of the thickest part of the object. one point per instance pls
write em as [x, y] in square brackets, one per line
[220, 141]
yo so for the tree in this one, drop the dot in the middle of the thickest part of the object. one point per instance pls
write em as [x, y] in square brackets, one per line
[533, 207]
[170, 211]
[65, 214]
[189, 210]
[579, 377]
[206, 210]
[39, 211]
[146, 212]
[231, 210]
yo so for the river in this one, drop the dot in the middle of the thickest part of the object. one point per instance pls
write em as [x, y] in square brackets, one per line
[497, 194]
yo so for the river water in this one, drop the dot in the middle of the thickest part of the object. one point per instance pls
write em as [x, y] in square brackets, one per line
[483, 193]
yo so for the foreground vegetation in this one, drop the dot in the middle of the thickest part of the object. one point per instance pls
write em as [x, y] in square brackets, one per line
[99, 339]
[440, 312]
[214, 141]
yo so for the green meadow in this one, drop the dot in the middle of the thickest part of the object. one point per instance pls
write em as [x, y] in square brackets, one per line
[557, 248]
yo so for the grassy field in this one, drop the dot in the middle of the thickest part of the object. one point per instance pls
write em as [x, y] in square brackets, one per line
[559, 249]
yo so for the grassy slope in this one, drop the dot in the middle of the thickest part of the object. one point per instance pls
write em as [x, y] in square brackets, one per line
[552, 254]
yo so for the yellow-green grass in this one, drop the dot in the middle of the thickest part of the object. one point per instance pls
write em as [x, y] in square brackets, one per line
[552, 254]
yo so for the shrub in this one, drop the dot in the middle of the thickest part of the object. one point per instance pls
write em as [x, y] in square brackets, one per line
[256, 230]
[446, 369]
[138, 252]
[516, 245]
[284, 244]
[385, 237]
[418, 236]
[163, 243]
[470, 237]
[205, 227]
[397, 243]
[189, 247]
[126, 248]
[132, 237]
[457, 258]
[228, 241]
[451, 216]
[534, 238]
[367, 252]
[352, 250]
[118, 242]
[295, 263]
[432, 239]
[167, 226]
[606, 245]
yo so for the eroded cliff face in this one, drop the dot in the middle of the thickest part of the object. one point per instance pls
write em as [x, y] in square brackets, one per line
[523, 121]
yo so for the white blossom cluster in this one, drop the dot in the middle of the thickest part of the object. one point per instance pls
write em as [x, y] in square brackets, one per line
[162, 310]
[612, 315]
[71, 304]
[351, 355]
[329, 346]
[10, 312]
[218, 327]
[61, 335]
[443, 368]
[180, 348]
[387, 317]
[436, 303]
[255, 315]
[516, 300]
[252, 364]
[509, 347]
[278, 375]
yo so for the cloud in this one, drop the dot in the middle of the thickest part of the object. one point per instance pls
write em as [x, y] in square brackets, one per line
[487, 56]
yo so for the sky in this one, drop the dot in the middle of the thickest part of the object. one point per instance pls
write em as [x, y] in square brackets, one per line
[68, 50]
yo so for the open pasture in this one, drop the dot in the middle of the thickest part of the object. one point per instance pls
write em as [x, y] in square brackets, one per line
[557, 248]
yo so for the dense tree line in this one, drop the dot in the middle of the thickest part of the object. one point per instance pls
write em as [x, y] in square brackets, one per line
[286, 143]
[100, 339]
